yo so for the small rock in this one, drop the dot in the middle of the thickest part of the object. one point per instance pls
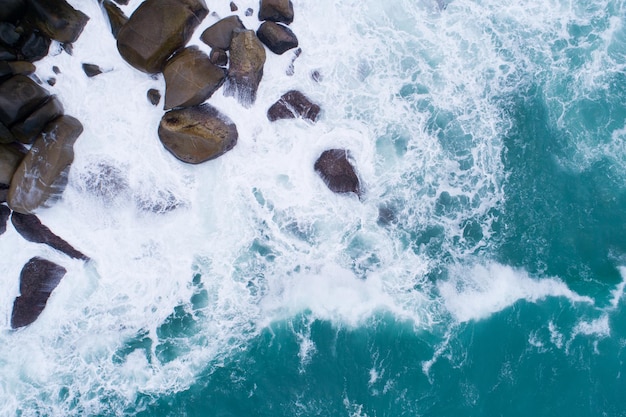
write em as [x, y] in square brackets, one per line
[276, 11]
[249, 12]
[197, 134]
[220, 34]
[278, 38]
[38, 279]
[154, 96]
[219, 57]
[56, 70]
[51, 81]
[190, 78]
[233, 7]
[337, 171]
[91, 70]
[293, 104]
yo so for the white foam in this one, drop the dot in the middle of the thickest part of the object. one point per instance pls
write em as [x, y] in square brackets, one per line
[482, 290]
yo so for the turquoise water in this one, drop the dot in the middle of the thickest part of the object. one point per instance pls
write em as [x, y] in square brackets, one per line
[482, 274]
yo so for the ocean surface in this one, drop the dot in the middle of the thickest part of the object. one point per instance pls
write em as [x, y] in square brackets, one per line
[481, 274]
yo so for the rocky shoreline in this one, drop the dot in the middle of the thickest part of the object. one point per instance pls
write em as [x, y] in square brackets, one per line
[37, 138]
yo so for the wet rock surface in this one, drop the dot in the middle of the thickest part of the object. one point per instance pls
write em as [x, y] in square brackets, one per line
[247, 58]
[276, 11]
[278, 38]
[220, 34]
[293, 104]
[334, 167]
[56, 19]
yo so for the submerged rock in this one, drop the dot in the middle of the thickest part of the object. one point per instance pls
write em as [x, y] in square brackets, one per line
[157, 29]
[190, 78]
[278, 38]
[276, 11]
[337, 171]
[197, 134]
[247, 57]
[38, 279]
[42, 175]
[293, 104]
[31, 229]
[220, 34]
[56, 19]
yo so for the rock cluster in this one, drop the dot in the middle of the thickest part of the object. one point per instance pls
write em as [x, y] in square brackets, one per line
[36, 139]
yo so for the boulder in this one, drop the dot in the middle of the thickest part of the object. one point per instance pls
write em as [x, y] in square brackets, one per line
[9, 34]
[278, 38]
[34, 47]
[154, 96]
[220, 34]
[4, 216]
[157, 29]
[27, 131]
[247, 57]
[276, 11]
[8, 69]
[197, 134]
[5, 134]
[337, 171]
[42, 175]
[12, 10]
[19, 96]
[293, 104]
[56, 19]
[116, 16]
[38, 279]
[11, 156]
[190, 78]
[218, 57]
[31, 229]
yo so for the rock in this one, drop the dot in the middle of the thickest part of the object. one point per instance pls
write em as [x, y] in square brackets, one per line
[91, 70]
[56, 70]
[16, 67]
[190, 78]
[156, 30]
[220, 34]
[11, 156]
[42, 175]
[116, 16]
[34, 47]
[4, 216]
[27, 131]
[276, 11]
[247, 57]
[56, 19]
[233, 7]
[5, 134]
[249, 12]
[31, 229]
[122, 2]
[38, 279]
[19, 96]
[278, 38]
[293, 104]
[51, 81]
[337, 171]
[154, 96]
[9, 34]
[12, 10]
[219, 57]
[197, 134]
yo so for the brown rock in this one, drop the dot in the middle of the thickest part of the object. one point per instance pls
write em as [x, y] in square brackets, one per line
[276, 11]
[337, 171]
[293, 104]
[56, 19]
[19, 96]
[190, 78]
[116, 16]
[247, 57]
[30, 228]
[27, 131]
[42, 175]
[219, 57]
[154, 96]
[197, 134]
[11, 156]
[220, 34]
[278, 38]
[38, 279]
[157, 29]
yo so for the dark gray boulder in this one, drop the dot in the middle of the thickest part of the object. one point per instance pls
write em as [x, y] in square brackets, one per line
[27, 130]
[56, 19]
[337, 172]
[278, 38]
[293, 104]
[38, 279]
[12, 10]
[19, 96]
[157, 29]
[42, 174]
[197, 134]
[9, 68]
[247, 57]
[31, 229]
[220, 34]
[276, 11]
[190, 78]
[11, 156]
